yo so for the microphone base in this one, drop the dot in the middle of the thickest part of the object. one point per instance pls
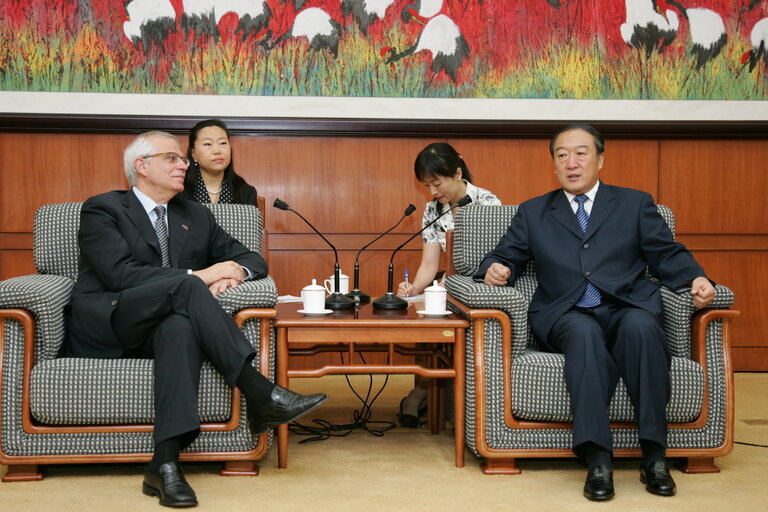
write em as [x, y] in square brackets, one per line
[390, 301]
[358, 296]
[339, 301]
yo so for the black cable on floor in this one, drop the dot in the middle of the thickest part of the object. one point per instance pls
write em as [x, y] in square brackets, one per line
[752, 444]
[361, 419]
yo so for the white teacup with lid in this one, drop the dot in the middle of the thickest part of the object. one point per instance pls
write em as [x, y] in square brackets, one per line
[313, 297]
[435, 299]
[330, 284]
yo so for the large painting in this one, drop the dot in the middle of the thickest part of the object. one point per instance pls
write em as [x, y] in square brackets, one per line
[520, 49]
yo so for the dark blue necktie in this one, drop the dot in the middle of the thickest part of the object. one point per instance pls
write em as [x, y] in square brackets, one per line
[591, 296]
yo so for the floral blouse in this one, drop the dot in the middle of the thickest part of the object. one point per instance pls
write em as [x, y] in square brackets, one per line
[435, 233]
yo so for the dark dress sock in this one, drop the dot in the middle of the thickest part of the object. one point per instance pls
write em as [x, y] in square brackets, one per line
[652, 452]
[595, 455]
[255, 386]
[168, 450]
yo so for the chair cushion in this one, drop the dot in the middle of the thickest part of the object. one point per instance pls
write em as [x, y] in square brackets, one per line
[539, 392]
[82, 391]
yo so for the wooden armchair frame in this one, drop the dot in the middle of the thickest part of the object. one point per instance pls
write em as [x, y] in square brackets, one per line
[27, 467]
[504, 461]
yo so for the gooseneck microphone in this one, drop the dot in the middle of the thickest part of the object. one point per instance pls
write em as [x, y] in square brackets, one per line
[356, 294]
[336, 300]
[390, 300]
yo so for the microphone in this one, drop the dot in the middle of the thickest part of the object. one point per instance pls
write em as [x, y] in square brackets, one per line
[336, 300]
[356, 294]
[390, 300]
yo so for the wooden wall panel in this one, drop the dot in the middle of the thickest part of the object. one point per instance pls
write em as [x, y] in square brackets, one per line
[353, 188]
[632, 163]
[516, 170]
[341, 185]
[716, 186]
[16, 263]
[744, 272]
[752, 359]
[38, 169]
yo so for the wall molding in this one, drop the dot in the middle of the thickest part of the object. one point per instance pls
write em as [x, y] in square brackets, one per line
[353, 127]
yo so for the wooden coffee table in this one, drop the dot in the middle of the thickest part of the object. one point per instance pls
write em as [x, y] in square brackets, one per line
[367, 329]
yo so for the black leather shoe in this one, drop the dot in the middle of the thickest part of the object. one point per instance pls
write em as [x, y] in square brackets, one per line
[409, 420]
[599, 484]
[657, 479]
[284, 407]
[169, 483]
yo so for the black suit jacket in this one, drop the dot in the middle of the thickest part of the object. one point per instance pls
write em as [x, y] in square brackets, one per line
[625, 235]
[119, 250]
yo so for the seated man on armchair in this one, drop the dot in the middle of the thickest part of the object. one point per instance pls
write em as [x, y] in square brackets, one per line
[592, 243]
[151, 264]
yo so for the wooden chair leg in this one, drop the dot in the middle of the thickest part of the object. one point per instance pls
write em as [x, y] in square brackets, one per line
[698, 465]
[23, 473]
[240, 468]
[500, 467]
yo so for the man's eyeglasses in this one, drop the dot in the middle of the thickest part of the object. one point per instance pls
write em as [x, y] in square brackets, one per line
[171, 158]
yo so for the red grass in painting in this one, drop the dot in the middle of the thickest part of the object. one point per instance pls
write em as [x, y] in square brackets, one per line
[502, 36]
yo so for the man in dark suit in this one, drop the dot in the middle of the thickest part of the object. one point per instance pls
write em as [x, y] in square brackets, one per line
[591, 244]
[150, 267]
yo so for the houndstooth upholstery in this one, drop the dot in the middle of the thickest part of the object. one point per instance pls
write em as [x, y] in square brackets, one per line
[538, 387]
[80, 391]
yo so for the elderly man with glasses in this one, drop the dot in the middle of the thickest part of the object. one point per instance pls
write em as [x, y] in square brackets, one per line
[150, 266]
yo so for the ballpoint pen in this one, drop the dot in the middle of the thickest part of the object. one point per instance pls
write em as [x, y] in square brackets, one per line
[406, 282]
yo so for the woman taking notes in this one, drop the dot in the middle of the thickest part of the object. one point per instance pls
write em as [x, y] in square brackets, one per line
[444, 173]
[211, 176]
[442, 170]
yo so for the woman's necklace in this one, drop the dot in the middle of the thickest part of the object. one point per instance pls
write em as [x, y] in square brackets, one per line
[213, 192]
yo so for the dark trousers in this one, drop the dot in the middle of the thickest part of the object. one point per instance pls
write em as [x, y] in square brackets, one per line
[602, 344]
[176, 321]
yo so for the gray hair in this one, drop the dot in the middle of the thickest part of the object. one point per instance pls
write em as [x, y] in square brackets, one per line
[140, 147]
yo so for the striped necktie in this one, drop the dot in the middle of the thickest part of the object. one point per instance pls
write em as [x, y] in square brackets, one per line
[162, 235]
[591, 296]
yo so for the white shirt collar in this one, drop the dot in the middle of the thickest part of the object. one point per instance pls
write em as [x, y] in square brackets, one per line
[148, 203]
[590, 194]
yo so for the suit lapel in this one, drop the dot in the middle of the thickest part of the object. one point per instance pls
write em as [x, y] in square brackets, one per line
[138, 216]
[563, 213]
[605, 202]
[178, 229]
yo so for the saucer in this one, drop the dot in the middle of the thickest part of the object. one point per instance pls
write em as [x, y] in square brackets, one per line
[315, 313]
[424, 312]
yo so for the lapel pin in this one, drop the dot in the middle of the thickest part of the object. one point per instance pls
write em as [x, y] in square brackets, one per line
[185, 227]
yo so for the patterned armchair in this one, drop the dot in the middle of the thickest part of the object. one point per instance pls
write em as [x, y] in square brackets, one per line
[517, 402]
[78, 410]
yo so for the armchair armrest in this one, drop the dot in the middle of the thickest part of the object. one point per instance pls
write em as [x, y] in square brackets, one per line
[503, 298]
[678, 312]
[480, 295]
[261, 293]
[45, 295]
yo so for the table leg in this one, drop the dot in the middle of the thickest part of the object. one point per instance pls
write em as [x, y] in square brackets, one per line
[433, 412]
[282, 380]
[458, 397]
